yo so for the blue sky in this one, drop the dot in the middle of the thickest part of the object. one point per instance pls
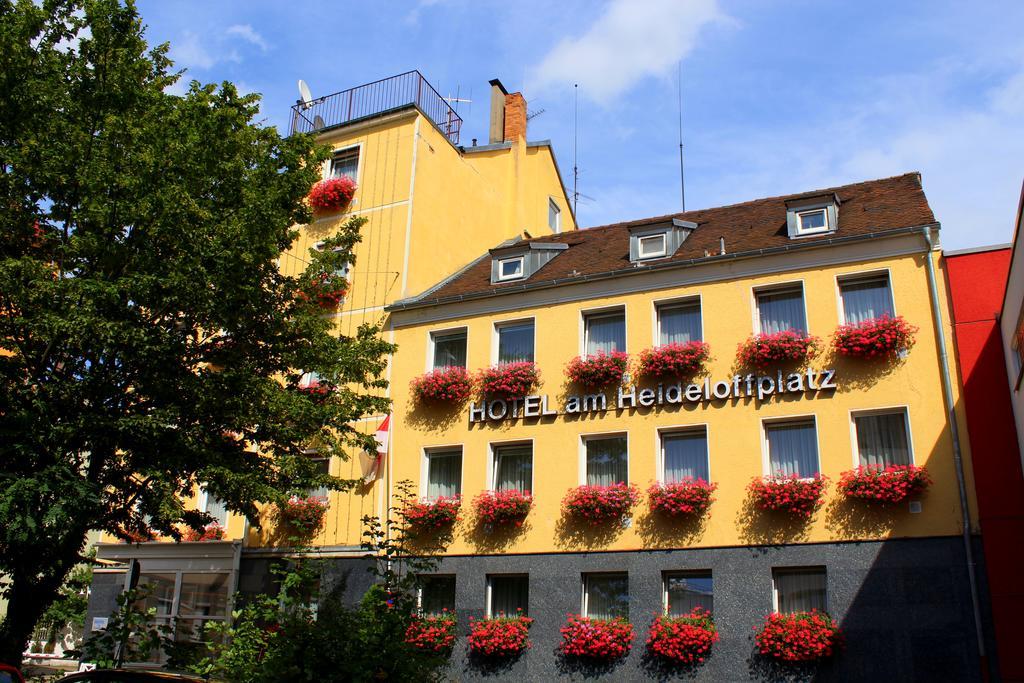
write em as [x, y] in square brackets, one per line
[779, 96]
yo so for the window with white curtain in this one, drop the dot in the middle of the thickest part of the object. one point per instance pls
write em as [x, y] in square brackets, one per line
[606, 596]
[437, 594]
[507, 594]
[882, 439]
[345, 163]
[607, 460]
[685, 455]
[679, 323]
[216, 508]
[513, 468]
[779, 310]
[799, 590]
[449, 349]
[604, 332]
[444, 473]
[515, 342]
[686, 590]
[792, 448]
[865, 298]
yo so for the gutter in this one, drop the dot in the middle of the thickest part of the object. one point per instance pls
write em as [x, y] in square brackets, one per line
[408, 304]
[954, 435]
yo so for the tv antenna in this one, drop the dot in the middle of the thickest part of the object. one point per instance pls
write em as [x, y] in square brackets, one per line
[575, 145]
[682, 177]
[534, 114]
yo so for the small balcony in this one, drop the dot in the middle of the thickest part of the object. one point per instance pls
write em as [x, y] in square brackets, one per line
[375, 98]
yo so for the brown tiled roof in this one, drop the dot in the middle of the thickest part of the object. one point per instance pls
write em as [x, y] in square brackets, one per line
[865, 208]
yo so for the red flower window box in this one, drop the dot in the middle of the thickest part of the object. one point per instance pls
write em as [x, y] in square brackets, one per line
[674, 360]
[511, 380]
[791, 494]
[500, 636]
[799, 637]
[316, 389]
[690, 497]
[683, 640]
[596, 639]
[327, 291]
[332, 194]
[432, 633]
[445, 385]
[766, 350]
[306, 514]
[601, 504]
[892, 484]
[503, 508]
[598, 370]
[428, 515]
[883, 337]
[211, 532]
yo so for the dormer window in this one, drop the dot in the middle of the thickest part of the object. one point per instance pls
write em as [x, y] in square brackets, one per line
[510, 268]
[809, 222]
[652, 246]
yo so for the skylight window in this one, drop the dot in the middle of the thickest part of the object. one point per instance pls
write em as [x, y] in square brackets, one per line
[510, 268]
[652, 246]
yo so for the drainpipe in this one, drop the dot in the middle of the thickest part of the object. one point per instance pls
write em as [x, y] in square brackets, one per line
[954, 432]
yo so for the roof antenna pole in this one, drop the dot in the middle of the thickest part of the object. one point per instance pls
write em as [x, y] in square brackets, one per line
[575, 144]
[682, 177]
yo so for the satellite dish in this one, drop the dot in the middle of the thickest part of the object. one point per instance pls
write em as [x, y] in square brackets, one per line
[307, 96]
[318, 122]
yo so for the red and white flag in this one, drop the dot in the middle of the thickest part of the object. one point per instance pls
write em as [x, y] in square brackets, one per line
[373, 462]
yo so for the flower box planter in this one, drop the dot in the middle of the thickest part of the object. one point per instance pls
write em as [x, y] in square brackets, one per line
[432, 633]
[682, 640]
[598, 505]
[799, 637]
[316, 390]
[500, 636]
[673, 360]
[599, 370]
[332, 194]
[445, 385]
[690, 497]
[883, 337]
[430, 515]
[511, 380]
[790, 494]
[603, 640]
[892, 484]
[503, 508]
[327, 291]
[211, 532]
[305, 514]
[780, 348]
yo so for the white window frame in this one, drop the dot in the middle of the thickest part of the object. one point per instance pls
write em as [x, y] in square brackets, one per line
[511, 322]
[669, 573]
[888, 410]
[492, 470]
[663, 251]
[557, 227]
[801, 231]
[521, 259]
[584, 594]
[329, 164]
[797, 570]
[428, 451]
[660, 304]
[777, 288]
[862, 276]
[659, 447]
[766, 461]
[490, 591]
[597, 436]
[432, 337]
[204, 501]
[596, 313]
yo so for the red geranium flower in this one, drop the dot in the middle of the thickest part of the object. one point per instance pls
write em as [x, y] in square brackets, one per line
[510, 380]
[683, 640]
[882, 337]
[332, 194]
[892, 484]
[445, 385]
[597, 639]
[308, 514]
[432, 633]
[211, 532]
[601, 504]
[500, 636]
[676, 499]
[788, 346]
[503, 508]
[598, 370]
[674, 360]
[799, 497]
[798, 637]
[426, 515]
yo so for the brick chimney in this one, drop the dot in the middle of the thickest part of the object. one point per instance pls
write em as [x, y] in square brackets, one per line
[508, 115]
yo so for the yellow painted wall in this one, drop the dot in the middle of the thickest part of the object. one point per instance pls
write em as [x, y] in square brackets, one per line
[734, 426]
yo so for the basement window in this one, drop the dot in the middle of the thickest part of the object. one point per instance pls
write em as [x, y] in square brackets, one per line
[510, 268]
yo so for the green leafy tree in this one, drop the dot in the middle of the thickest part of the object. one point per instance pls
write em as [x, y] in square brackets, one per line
[149, 342]
[131, 634]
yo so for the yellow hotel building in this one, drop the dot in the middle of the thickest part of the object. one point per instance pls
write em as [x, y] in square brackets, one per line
[471, 258]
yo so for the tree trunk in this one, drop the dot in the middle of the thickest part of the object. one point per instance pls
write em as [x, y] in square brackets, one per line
[24, 608]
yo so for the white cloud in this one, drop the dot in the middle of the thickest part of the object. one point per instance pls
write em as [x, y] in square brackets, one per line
[247, 33]
[190, 53]
[630, 41]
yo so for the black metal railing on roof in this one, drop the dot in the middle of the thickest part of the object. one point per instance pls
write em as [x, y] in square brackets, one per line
[375, 98]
